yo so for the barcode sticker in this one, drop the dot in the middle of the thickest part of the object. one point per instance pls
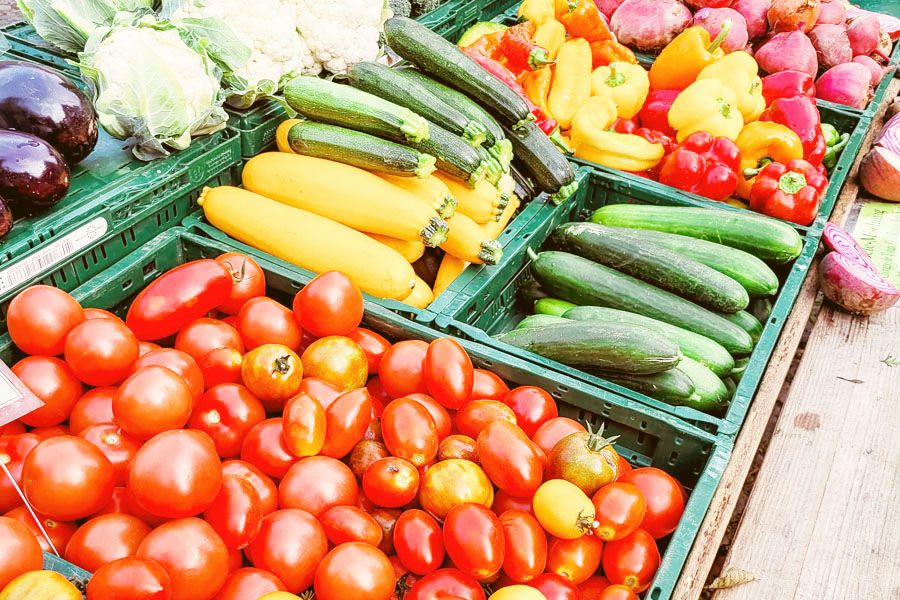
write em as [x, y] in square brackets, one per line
[52, 254]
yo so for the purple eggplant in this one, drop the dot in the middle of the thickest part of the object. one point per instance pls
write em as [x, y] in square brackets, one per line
[39, 101]
[32, 172]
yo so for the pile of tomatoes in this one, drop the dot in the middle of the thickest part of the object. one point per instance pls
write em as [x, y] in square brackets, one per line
[269, 451]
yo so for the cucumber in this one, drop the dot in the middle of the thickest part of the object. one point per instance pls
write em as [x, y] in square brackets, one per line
[328, 102]
[762, 237]
[358, 149]
[549, 168]
[693, 345]
[747, 322]
[671, 387]
[552, 306]
[712, 392]
[454, 157]
[586, 283]
[616, 347]
[539, 320]
[388, 84]
[740, 366]
[730, 385]
[752, 273]
[652, 263]
[445, 62]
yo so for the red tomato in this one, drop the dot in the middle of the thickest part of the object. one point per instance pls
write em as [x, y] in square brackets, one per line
[473, 537]
[487, 386]
[177, 361]
[438, 413]
[153, 400]
[344, 524]
[101, 351]
[66, 478]
[577, 559]
[235, 559]
[387, 519]
[91, 314]
[555, 587]
[130, 506]
[264, 486]
[59, 532]
[19, 551]
[249, 584]
[265, 449]
[222, 365]
[203, 335]
[548, 434]
[391, 482]
[104, 539]
[525, 546]
[624, 466]
[632, 561]
[272, 373]
[616, 592]
[364, 455]
[12, 428]
[227, 412]
[477, 414]
[116, 505]
[147, 348]
[458, 446]
[192, 554]
[532, 406]
[248, 278]
[419, 542]
[664, 499]
[179, 296]
[330, 304]
[380, 398]
[326, 393]
[94, 407]
[355, 570]
[40, 317]
[509, 459]
[176, 474]
[265, 321]
[402, 367]
[445, 584]
[45, 433]
[448, 373]
[592, 589]
[116, 445]
[316, 484]
[346, 422]
[290, 544]
[131, 579]
[620, 508]
[236, 513]
[409, 431]
[304, 425]
[338, 360]
[54, 383]
[373, 344]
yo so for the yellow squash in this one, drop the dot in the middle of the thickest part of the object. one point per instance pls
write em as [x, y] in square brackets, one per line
[308, 240]
[281, 135]
[493, 229]
[411, 251]
[431, 190]
[40, 585]
[450, 268]
[467, 241]
[421, 296]
[482, 203]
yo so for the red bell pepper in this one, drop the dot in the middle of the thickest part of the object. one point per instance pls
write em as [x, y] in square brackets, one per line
[655, 112]
[520, 52]
[703, 165]
[787, 84]
[791, 192]
[801, 115]
[654, 137]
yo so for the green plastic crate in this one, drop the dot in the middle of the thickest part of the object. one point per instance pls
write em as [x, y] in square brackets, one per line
[25, 42]
[490, 304]
[256, 126]
[453, 18]
[78, 576]
[888, 7]
[647, 436]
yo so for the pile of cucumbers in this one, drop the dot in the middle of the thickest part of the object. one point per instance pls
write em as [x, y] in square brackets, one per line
[656, 298]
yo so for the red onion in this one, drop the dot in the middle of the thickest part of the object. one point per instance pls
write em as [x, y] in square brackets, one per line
[854, 287]
[839, 240]
[879, 172]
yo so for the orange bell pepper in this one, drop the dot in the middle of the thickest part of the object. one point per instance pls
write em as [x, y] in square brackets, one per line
[679, 63]
[584, 21]
[610, 51]
[537, 87]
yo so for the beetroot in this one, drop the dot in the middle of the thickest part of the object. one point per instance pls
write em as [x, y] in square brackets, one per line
[855, 287]
[711, 20]
[649, 25]
[831, 44]
[834, 12]
[788, 51]
[701, 4]
[608, 7]
[877, 71]
[847, 84]
[863, 32]
[754, 13]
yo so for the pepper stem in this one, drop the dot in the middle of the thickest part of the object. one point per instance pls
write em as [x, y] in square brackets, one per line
[615, 78]
[723, 33]
[724, 107]
[751, 173]
[792, 182]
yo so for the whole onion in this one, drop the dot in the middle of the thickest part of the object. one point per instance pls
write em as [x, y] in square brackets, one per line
[879, 172]
[788, 15]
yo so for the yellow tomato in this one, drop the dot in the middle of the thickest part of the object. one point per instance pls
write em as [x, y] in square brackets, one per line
[563, 510]
[517, 592]
[338, 360]
[40, 585]
[452, 482]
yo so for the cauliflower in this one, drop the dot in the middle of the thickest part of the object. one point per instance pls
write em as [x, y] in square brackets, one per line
[341, 33]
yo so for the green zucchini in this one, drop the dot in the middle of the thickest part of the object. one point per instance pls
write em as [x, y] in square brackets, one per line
[587, 283]
[761, 236]
[549, 168]
[388, 84]
[625, 252]
[616, 347]
[671, 387]
[454, 157]
[328, 102]
[552, 306]
[447, 63]
[712, 392]
[747, 322]
[539, 320]
[693, 345]
[358, 149]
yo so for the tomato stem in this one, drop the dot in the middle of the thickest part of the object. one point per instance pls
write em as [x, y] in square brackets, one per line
[283, 364]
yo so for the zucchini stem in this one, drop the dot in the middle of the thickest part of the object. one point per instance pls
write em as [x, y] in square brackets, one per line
[448, 207]
[475, 133]
[426, 166]
[491, 252]
[435, 233]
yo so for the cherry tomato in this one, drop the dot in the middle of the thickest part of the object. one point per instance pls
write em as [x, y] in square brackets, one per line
[132, 579]
[153, 400]
[227, 412]
[249, 584]
[555, 587]
[101, 351]
[458, 446]
[577, 559]
[548, 434]
[373, 344]
[326, 393]
[147, 348]
[116, 445]
[19, 551]
[448, 373]
[264, 448]
[304, 425]
[419, 542]
[344, 524]
[330, 304]
[265, 321]
[477, 414]
[104, 539]
[409, 431]
[445, 584]
[236, 513]
[203, 335]
[509, 458]
[620, 508]
[94, 407]
[191, 553]
[387, 520]
[316, 484]
[664, 499]
[248, 281]
[532, 406]
[222, 365]
[40, 317]
[176, 474]
[66, 478]
[290, 544]
[632, 561]
[402, 367]
[265, 487]
[54, 383]
[452, 482]
[487, 386]
[525, 546]
[59, 532]
[355, 570]
[592, 589]
[338, 360]
[346, 422]
[272, 373]
[391, 482]
[177, 361]
[473, 537]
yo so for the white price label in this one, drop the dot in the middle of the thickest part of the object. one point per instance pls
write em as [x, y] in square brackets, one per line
[8, 392]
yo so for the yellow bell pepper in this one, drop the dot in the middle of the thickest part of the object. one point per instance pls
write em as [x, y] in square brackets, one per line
[739, 71]
[679, 63]
[562, 7]
[550, 36]
[537, 87]
[571, 82]
[760, 143]
[537, 11]
[707, 105]
[627, 85]
[594, 141]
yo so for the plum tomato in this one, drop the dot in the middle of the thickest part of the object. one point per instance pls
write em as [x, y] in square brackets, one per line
[264, 486]
[458, 446]
[355, 570]
[525, 543]
[227, 412]
[373, 344]
[473, 537]
[321, 390]
[446, 583]
[451, 482]
[504, 502]
[290, 544]
[94, 407]
[249, 583]
[19, 551]
[317, 483]
[532, 406]
[488, 386]
[593, 587]
[664, 500]
[409, 431]
[510, 459]
[265, 321]
[272, 373]
[419, 542]
[448, 373]
[577, 559]
[147, 348]
[265, 449]
[344, 524]
[632, 561]
[555, 587]
[563, 510]
[177, 361]
[337, 360]
[330, 304]
[153, 400]
[221, 365]
[203, 335]
[248, 281]
[586, 459]
[442, 421]
[116, 445]
[402, 367]
[101, 351]
[477, 414]
[13, 450]
[548, 434]
[304, 425]
[59, 532]
[346, 422]
[387, 520]
[54, 383]
[620, 508]
[104, 539]
[133, 578]
[236, 514]
[391, 482]
[40, 317]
